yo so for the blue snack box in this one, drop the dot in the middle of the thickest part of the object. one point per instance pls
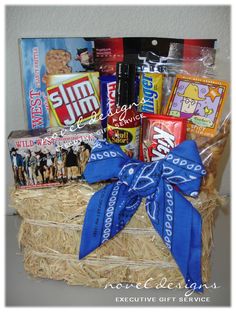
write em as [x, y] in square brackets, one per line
[41, 57]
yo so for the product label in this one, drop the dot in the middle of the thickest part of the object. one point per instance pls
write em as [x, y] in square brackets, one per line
[160, 134]
[200, 101]
[150, 92]
[163, 142]
[111, 95]
[127, 138]
[74, 100]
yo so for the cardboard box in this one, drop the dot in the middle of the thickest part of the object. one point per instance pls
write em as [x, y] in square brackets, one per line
[50, 157]
[41, 57]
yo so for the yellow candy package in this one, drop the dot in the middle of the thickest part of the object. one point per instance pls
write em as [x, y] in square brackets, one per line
[150, 93]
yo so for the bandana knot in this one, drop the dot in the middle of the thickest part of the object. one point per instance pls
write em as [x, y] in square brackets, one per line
[163, 185]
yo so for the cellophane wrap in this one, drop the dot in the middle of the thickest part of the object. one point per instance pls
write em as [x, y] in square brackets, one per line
[52, 221]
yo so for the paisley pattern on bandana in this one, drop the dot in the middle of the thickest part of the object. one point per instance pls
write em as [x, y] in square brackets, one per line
[161, 183]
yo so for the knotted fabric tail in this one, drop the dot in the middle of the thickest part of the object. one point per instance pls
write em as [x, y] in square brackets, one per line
[162, 184]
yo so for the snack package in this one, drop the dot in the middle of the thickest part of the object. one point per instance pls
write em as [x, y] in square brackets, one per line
[41, 57]
[107, 95]
[150, 93]
[50, 157]
[108, 52]
[200, 101]
[159, 134]
[143, 51]
[183, 58]
[73, 97]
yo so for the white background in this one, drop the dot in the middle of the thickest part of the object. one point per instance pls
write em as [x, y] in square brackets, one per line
[81, 21]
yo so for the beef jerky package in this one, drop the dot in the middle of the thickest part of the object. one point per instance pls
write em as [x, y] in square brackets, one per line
[143, 51]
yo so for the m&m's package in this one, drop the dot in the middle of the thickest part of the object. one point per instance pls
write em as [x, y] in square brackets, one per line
[159, 134]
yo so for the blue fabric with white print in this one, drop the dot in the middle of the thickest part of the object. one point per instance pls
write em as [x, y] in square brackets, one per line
[161, 183]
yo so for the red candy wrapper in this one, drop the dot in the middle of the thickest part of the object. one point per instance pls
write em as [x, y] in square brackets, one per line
[159, 135]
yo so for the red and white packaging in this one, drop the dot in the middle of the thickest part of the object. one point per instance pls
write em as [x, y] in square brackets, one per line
[159, 135]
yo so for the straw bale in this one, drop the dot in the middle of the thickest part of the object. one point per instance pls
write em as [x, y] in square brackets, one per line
[134, 255]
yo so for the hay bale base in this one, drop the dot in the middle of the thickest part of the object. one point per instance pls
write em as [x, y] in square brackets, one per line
[50, 234]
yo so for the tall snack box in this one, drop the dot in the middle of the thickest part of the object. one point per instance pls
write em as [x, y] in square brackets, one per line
[41, 57]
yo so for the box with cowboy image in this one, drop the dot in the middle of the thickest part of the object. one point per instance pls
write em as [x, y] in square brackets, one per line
[200, 101]
[52, 156]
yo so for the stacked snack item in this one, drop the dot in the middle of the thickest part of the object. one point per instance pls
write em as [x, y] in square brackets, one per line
[199, 100]
[107, 96]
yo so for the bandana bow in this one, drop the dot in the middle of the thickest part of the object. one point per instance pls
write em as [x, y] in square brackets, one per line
[171, 214]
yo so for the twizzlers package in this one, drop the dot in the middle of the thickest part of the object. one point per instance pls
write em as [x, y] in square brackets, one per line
[159, 135]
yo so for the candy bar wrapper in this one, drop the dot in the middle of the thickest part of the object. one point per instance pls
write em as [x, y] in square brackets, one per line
[50, 157]
[200, 101]
[150, 95]
[160, 134]
[107, 95]
[73, 98]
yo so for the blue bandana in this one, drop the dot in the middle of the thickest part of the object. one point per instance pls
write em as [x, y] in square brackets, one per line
[172, 215]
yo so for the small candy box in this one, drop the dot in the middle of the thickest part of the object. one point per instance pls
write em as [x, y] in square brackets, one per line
[159, 134]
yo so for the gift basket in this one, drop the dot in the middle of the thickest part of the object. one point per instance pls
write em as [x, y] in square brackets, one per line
[116, 176]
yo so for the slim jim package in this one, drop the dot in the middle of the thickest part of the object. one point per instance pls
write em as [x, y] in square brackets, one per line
[73, 97]
[159, 134]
